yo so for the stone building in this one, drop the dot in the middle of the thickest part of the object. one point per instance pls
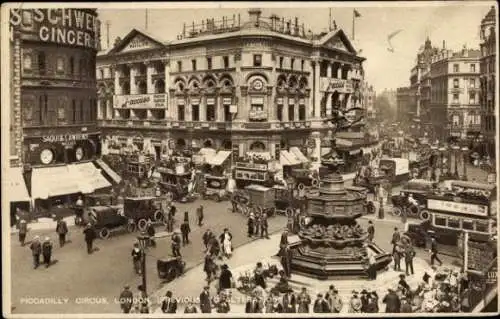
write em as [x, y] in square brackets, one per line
[261, 85]
[455, 94]
[403, 104]
[488, 81]
[54, 105]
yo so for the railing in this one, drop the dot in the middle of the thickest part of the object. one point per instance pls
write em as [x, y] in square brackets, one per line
[258, 125]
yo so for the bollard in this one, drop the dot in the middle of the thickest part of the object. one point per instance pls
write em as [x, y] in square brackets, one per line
[381, 210]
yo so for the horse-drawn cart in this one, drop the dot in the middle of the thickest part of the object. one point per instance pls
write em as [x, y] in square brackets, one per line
[260, 199]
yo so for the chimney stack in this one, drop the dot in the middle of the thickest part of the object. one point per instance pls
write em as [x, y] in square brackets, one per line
[254, 15]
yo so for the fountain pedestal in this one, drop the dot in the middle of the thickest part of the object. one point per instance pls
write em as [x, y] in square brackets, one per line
[332, 243]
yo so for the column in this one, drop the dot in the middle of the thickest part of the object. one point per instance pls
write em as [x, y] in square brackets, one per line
[109, 109]
[99, 110]
[118, 88]
[203, 109]
[133, 86]
[285, 110]
[317, 97]
[296, 110]
[339, 71]
[149, 78]
[167, 75]
[328, 103]
[329, 70]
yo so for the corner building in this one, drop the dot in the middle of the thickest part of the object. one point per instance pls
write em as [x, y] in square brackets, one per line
[260, 85]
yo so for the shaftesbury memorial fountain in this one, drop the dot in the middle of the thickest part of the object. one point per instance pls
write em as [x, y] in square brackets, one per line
[332, 242]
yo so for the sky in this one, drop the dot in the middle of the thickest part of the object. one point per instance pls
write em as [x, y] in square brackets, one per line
[455, 22]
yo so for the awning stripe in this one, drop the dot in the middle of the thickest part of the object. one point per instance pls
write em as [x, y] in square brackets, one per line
[15, 186]
[286, 158]
[219, 158]
[53, 181]
[296, 151]
[114, 176]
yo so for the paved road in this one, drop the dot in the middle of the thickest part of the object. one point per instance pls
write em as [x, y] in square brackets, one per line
[103, 274]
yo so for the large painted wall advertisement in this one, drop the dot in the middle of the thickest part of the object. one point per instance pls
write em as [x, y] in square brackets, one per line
[73, 27]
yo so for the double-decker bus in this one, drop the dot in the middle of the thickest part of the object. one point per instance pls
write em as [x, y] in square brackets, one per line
[467, 207]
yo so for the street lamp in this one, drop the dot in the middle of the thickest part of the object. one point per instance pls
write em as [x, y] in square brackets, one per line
[143, 239]
[465, 152]
[456, 153]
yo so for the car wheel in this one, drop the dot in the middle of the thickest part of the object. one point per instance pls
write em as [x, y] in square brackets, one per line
[142, 224]
[169, 196]
[289, 212]
[158, 216]
[424, 215]
[104, 233]
[396, 211]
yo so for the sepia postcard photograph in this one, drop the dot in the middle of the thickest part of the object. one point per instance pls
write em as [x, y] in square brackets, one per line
[249, 159]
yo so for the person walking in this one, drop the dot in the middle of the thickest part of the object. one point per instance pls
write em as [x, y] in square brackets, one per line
[371, 271]
[250, 224]
[397, 257]
[396, 236]
[185, 230]
[90, 236]
[371, 231]
[334, 300]
[286, 259]
[264, 226]
[176, 244]
[136, 258]
[36, 251]
[23, 230]
[150, 230]
[205, 301]
[47, 251]
[126, 299]
[409, 255]
[200, 215]
[434, 252]
[61, 230]
[206, 238]
[225, 280]
[226, 242]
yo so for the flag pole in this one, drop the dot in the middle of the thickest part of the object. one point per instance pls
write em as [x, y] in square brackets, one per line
[353, 18]
[330, 20]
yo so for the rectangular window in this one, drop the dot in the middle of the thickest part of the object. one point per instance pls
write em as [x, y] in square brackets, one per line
[440, 221]
[456, 68]
[472, 83]
[210, 113]
[46, 109]
[281, 62]
[209, 63]
[82, 113]
[455, 83]
[455, 98]
[193, 65]
[257, 60]
[279, 114]
[302, 65]
[181, 113]
[453, 222]
[225, 60]
[195, 109]
[467, 224]
[292, 62]
[73, 111]
[302, 112]
[41, 63]
[227, 113]
[473, 68]
[179, 66]
[40, 108]
[72, 65]
[472, 97]
[481, 226]
[291, 112]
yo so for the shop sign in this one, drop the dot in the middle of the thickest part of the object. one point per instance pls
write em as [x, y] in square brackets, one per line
[64, 138]
[456, 207]
[141, 101]
[332, 85]
[71, 27]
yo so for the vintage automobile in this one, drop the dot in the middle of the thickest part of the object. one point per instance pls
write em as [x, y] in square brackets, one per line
[396, 169]
[106, 219]
[303, 178]
[271, 200]
[140, 210]
[175, 182]
[170, 268]
[369, 178]
[215, 188]
[419, 189]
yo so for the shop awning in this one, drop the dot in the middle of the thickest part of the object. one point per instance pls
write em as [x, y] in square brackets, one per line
[92, 178]
[109, 171]
[287, 158]
[54, 181]
[15, 186]
[298, 154]
[219, 158]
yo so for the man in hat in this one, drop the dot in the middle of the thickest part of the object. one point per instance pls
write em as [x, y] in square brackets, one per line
[303, 301]
[79, 211]
[405, 305]
[36, 250]
[23, 230]
[254, 304]
[364, 300]
[136, 258]
[250, 224]
[205, 301]
[289, 301]
[321, 305]
[200, 215]
[286, 259]
[169, 304]
[206, 238]
[403, 284]
[334, 300]
[355, 303]
[185, 230]
[264, 226]
[47, 251]
[126, 299]
[372, 306]
[90, 236]
[395, 239]
[371, 231]
[176, 244]
[61, 230]
[434, 252]
[409, 254]
[284, 238]
[150, 230]
[392, 302]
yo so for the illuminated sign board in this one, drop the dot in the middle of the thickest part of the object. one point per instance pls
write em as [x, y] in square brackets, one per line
[64, 138]
[140, 101]
[457, 207]
[73, 27]
[332, 84]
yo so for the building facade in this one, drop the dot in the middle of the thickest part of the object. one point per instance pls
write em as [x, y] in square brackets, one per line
[488, 81]
[455, 94]
[403, 104]
[369, 96]
[261, 85]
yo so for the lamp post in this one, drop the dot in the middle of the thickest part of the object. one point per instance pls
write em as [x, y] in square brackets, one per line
[143, 239]
[456, 151]
[291, 219]
[465, 153]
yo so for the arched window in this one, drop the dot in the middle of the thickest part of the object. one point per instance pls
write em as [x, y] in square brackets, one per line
[257, 147]
[72, 65]
[160, 86]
